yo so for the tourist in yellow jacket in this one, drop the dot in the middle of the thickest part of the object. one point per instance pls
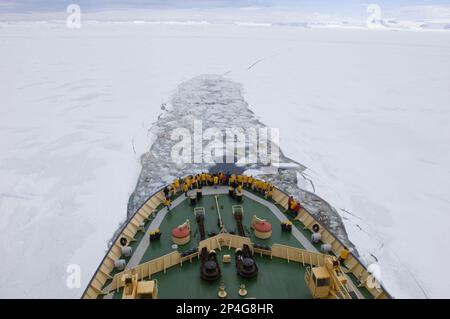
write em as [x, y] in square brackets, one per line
[262, 187]
[203, 179]
[187, 181]
[293, 204]
[173, 189]
[250, 181]
[210, 179]
[245, 181]
[269, 193]
[185, 189]
[167, 203]
[176, 184]
[257, 185]
[196, 183]
[343, 255]
[232, 179]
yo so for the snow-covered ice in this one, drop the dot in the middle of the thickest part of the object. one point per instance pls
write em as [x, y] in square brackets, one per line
[366, 111]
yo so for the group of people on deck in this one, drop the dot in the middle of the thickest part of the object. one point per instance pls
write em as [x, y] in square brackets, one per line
[237, 181]
[294, 206]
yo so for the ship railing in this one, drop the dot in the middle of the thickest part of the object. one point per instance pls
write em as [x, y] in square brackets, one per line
[147, 269]
[353, 263]
[342, 290]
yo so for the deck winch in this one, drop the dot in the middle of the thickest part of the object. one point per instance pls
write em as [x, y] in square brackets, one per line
[245, 265]
[209, 266]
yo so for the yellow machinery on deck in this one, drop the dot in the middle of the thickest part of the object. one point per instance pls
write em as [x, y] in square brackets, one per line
[134, 289]
[327, 281]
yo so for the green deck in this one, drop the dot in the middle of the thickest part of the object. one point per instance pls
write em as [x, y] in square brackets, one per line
[276, 278]
[184, 210]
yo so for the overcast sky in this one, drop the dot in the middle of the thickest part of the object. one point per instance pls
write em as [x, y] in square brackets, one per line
[412, 8]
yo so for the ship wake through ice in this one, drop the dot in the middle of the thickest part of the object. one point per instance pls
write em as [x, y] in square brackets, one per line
[218, 103]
